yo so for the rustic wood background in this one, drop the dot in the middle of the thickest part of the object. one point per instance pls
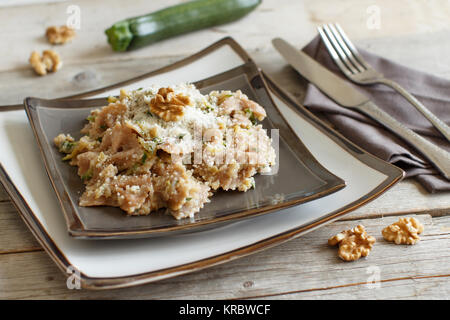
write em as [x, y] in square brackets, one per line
[414, 33]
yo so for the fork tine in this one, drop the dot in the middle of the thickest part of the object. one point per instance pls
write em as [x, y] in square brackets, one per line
[333, 53]
[352, 47]
[345, 48]
[339, 50]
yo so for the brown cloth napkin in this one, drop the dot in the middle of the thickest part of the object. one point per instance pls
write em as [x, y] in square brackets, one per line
[432, 91]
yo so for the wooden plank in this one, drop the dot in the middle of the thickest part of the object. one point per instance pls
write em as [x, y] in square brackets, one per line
[74, 79]
[306, 264]
[13, 3]
[91, 44]
[406, 197]
[300, 16]
[398, 289]
[14, 235]
[396, 18]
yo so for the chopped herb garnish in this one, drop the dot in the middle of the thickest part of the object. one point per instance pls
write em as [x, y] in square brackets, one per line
[251, 116]
[67, 146]
[144, 157]
[181, 136]
[91, 118]
[87, 175]
[149, 113]
[157, 140]
[208, 108]
[103, 127]
[148, 146]
[188, 199]
[140, 89]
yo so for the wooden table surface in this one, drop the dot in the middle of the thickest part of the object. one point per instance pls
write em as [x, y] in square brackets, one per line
[414, 33]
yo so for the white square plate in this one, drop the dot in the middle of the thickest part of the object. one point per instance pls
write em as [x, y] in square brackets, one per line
[120, 263]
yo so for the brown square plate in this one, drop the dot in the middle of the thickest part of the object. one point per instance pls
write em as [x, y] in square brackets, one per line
[299, 177]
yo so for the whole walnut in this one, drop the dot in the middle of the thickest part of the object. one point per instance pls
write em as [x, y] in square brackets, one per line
[59, 35]
[404, 231]
[48, 62]
[353, 244]
[168, 105]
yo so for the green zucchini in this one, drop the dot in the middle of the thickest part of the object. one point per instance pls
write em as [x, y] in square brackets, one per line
[140, 31]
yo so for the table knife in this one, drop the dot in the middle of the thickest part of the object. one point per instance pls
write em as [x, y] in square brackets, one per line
[344, 94]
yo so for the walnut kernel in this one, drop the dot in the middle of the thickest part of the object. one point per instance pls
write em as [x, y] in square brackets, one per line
[404, 231]
[353, 244]
[168, 105]
[49, 62]
[59, 35]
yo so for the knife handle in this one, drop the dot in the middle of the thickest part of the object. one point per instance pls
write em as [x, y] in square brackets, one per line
[437, 156]
[438, 123]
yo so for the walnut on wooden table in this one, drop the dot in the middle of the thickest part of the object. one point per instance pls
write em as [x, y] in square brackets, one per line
[48, 62]
[59, 35]
[353, 244]
[404, 231]
[168, 105]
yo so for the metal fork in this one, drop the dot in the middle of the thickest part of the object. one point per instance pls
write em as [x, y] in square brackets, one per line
[354, 67]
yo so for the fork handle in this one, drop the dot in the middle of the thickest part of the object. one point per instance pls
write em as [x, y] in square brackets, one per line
[439, 124]
[437, 156]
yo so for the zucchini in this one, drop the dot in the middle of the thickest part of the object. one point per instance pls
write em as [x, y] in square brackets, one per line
[137, 32]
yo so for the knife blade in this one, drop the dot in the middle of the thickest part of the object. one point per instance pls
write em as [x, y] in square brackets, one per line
[344, 94]
[334, 87]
